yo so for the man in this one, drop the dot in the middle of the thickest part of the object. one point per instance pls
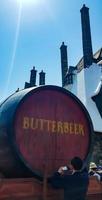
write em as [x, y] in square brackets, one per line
[75, 185]
[95, 171]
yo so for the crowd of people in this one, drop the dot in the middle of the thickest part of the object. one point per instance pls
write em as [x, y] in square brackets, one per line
[74, 179]
[96, 171]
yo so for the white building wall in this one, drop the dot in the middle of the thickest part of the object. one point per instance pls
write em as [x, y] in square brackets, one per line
[87, 82]
[84, 87]
[81, 87]
[92, 79]
[94, 114]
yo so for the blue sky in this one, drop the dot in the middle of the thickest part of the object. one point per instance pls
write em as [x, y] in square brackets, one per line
[31, 34]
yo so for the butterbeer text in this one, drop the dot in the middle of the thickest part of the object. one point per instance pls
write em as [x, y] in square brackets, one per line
[53, 126]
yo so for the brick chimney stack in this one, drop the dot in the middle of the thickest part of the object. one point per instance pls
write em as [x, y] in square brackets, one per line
[42, 78]
[86, 36]
[64, 62]
[33, 77]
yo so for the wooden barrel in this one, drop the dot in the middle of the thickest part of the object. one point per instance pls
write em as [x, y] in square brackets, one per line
[44, 128]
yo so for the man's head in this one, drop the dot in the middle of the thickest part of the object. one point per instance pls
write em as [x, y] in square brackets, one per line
[93, 166]
[77, 163]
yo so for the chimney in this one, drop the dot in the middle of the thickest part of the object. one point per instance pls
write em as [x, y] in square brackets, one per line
[86, 36]
[42, 78]
[33, 77]
[64, 62]
[27, 85]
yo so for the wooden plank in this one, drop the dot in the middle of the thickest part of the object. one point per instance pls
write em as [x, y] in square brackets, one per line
[95, 187]
[32, 189]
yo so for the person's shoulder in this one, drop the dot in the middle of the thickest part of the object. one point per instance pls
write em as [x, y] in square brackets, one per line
[84, 176]
[85, 173]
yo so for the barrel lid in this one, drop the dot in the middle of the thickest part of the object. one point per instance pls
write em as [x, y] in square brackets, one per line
[50, 127]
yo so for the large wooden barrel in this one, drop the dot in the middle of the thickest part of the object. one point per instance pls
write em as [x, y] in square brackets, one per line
[41, 129]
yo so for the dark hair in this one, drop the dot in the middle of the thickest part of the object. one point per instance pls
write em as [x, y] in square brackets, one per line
[77, 163]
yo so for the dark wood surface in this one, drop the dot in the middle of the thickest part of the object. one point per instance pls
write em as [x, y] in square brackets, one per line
[32, 189]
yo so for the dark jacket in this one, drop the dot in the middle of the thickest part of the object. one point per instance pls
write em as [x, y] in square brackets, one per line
[75, 186]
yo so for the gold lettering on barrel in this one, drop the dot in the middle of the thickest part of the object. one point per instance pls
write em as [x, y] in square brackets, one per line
[71, 127]
[66, 127]
[26, 123]
[34, 123]
[76, 128]
[81, 130]
[52, 126]
[59, 127]
[41, 124]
